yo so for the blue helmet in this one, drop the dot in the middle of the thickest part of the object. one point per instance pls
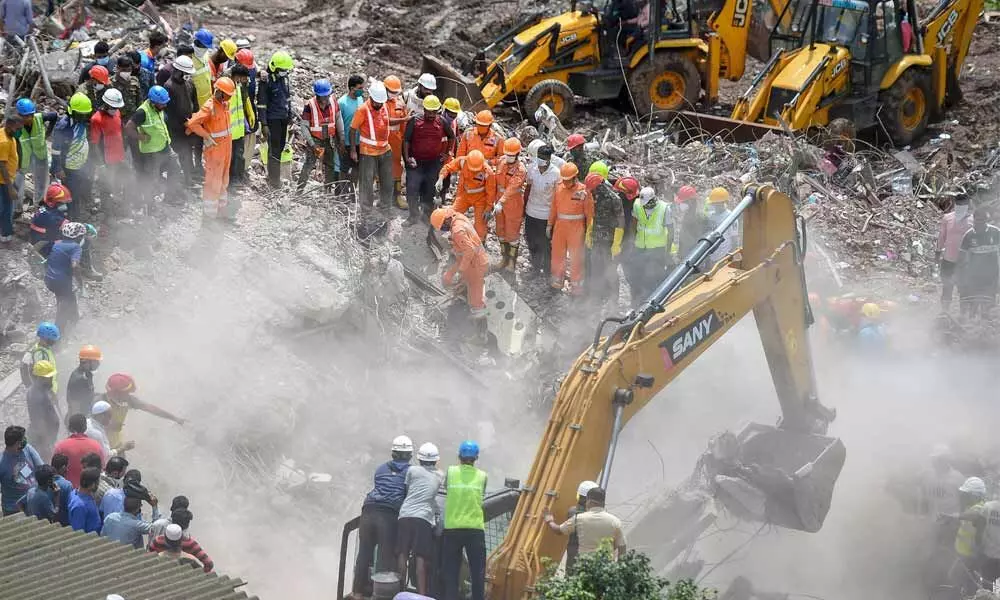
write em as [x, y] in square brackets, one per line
[158, 95]
[322, 87]
[25, 107]
[468, 449]
[204, 37]
[48, 331]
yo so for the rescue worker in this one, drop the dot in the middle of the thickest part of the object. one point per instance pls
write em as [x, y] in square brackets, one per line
[464, 524]
[147, 60]
[32, 148]
[42, 415]
[70, 151]
[371, 122]
[651, 249]
[592, 526]
[972, 497]
[245, 57]
[80, 387]
[471, 261]
[120, 395]
[573, 543]
[242, 117]
[218, 61]
[399, 114]
[871, 331]
[212, 123]
[62, 267]
[938, 492]
[414, 97]
[148, 128]
[167, 70]
[348, 104]
[511, 178]
[425, 143]
[101, 50]
[718, 209]
[693, 224]
[274, 105]
[628, 190]
[954, 225]
[418, 516]
[323, 130]
[94, 87]
[128, 85]
[202, 78]
[571, 219]
[476, 188]
[183, 103]
[8, 176]
[379, 516]
[451, 109]
[978, 257]
[48, 334]
[106, 135]
[989, 543]
[481, 138]
[49, 218]
[578, 154]
[608, 233]
[543, 178]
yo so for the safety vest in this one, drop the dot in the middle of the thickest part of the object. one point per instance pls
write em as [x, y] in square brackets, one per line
[650, 233]
[374, 140]
[32, 143]
[473, 182]
[237, 116]
[322, 122]
[965, 539]
[202, 80]
[79, 149]
[426, 139]
[463, 506]
[49, 356]
[155, 127]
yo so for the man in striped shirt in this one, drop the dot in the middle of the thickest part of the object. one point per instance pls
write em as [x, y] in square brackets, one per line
[176, 541]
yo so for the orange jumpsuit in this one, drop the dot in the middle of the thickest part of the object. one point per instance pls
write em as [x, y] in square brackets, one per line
[471, 261]
[511, 179]
[572, 210]
[397, 110]
[211, 122]
[491, 145]
[476, 189]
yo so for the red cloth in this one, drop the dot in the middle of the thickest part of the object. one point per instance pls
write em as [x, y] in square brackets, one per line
[107, 128]
[75, 447]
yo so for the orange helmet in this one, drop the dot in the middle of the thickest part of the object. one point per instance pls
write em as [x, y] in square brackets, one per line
[568, 171]
[393, 84]
[685, 193]
[90, 352]
[100, 74]
[593, 180]
[226, 86]
[575, 140]
[475, 161]
[245, 58]
[121, 382]
[440, 215]
[57, 194]
[512, 146]
[484, 118]
[628, 186]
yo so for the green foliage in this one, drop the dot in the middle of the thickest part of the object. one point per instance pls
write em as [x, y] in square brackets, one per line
[597, 576]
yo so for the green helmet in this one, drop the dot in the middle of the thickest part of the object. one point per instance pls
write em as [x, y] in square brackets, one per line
[600, 167]
[281, 60]
[80, 103]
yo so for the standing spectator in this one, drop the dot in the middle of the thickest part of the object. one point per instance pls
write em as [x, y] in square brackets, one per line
[42, 500]
[954, 225]
[160, 525]
[418, 516]
[101, 57]
[348, 104]
[980, 253]
[8, 173]
[60, 464]
[127, 526]
[16, 18]
[543, 176]
[593, 526]
[113, 477]
[274, 101]
[464, 523]
[42, 414]
[17, 468]
[80, 388]
[83, 513]
[76, 446]
[128, 85]
[175, 541]
[131, 487]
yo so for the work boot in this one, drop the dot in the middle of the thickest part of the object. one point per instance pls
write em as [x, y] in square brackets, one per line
[503, 258]
[400, 200]
[511, 260]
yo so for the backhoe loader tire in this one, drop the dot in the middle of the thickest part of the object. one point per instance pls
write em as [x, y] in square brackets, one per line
[906, 107]
[668, 82]
[555, 94]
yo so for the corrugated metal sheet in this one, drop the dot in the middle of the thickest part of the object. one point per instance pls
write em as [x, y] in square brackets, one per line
[40, 560]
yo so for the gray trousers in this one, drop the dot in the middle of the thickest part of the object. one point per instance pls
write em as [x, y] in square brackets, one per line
[370, 167]
[40, 178]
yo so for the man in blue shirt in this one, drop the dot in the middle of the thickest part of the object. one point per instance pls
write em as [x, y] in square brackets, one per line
[127, 526]
[83, 513]
[114, 499]
[61, 268]
[17, 18]
[42, 500]
[60, 464]
[17, 468]
[348, 105]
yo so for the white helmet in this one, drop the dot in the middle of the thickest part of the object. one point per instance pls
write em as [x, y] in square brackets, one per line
[113, 98]
[377, 92]
[646, 194]
[242, 43]
[533, 147]
[184, 64]
[401, 443]
[974, 486]
[428, 452]
[585, 487]
[428, 81]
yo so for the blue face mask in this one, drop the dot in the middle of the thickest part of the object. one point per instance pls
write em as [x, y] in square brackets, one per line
[103, 61]
[359, 93]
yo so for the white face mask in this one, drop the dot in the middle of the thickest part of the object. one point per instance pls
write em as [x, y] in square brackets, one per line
[99, 86]
[511, 159]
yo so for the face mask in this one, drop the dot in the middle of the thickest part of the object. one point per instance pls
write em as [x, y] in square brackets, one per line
[376, 106]
[112, 111]
[99, 86]
[282, 74]
[359, 93]
[393, 94]
[124, 75]
[103, 61]
[62, 208]
[482, 130]
[511, 159]
[185, 77]
[221, 98]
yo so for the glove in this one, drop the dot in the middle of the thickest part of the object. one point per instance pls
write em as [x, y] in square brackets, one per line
[411, 162]
[437, 201]
[548, 232]
[616, 244]
[588, 239]
[210, 142]
[439, 185]
[91, 230]
[498, 208]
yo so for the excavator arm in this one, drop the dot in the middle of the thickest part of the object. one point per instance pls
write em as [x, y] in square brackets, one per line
[622, 372]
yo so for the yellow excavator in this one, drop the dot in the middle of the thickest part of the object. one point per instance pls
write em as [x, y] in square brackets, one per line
[789, 470]
[661, 57]
[871, 62]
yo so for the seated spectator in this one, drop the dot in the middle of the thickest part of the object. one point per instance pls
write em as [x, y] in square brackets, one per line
[160, 525]
[175, 542]
[127, 526]
[42, 499]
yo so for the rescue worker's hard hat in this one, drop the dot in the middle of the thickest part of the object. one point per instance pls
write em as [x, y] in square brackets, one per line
[871, 310]
[475, 161]
[974, 486]
[600, 167]
[378, 93]
[568, 171]
[100, 74]
[393, 84]
[575, 140]
[72, 230]
[57, 193]
[428, 81]
[229, 48]
[120, 382]
[79, 103]
[322, 87]
[226, 86]
[584, 487]
[242, 43]
[453, 105]
[593, 181]
[25, 107]
[428, 452]
[512, 146]
[402, 443]
[718, 195]
[468, 449]
[484, 118]
[628, 186]
[91, 352]
[281, 60]
[646, 194]
[245, 58]
[440, 215]
[685, 193]
[432, 103]
[48, 331]
[43, 368]
[204, 37]
[113, 98]
[184, 64]
[159, 94]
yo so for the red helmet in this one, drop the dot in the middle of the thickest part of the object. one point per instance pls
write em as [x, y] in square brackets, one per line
[121, 383]
[628, 186]
[57, 193]
[245, 58]
[100, 74]
[575, 140]
[593, 180]
[685, 193]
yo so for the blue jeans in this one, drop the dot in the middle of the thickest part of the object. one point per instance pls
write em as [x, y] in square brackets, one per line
[67, 311]
[6, 211]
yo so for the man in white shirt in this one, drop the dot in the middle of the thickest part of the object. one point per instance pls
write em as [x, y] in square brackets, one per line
[543, 176]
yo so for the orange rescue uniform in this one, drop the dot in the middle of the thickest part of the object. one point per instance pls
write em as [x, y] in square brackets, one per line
[490, 145]
[397, 110]
[511, 178]
[572, 209]
[471, 261]
[373, 129]
[476, 189]
[211, 122]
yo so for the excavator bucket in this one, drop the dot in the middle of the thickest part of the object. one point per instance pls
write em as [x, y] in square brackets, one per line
[694, 126]
[452, 84]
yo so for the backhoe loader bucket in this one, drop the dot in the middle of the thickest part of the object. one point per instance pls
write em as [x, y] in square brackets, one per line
[452, 84]
[694, 126]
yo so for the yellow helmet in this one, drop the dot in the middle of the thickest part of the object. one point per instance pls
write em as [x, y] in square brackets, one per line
[432, 103]
[453, 105]
[229, 47]
[718, 195]
[871, 310]
[43, 368]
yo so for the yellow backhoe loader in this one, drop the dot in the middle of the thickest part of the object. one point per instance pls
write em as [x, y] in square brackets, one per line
[661, 60]
[789, 470]
[872, 62]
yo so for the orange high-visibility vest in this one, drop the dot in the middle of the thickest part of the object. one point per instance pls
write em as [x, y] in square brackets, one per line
[373, 129]
[320, 120]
